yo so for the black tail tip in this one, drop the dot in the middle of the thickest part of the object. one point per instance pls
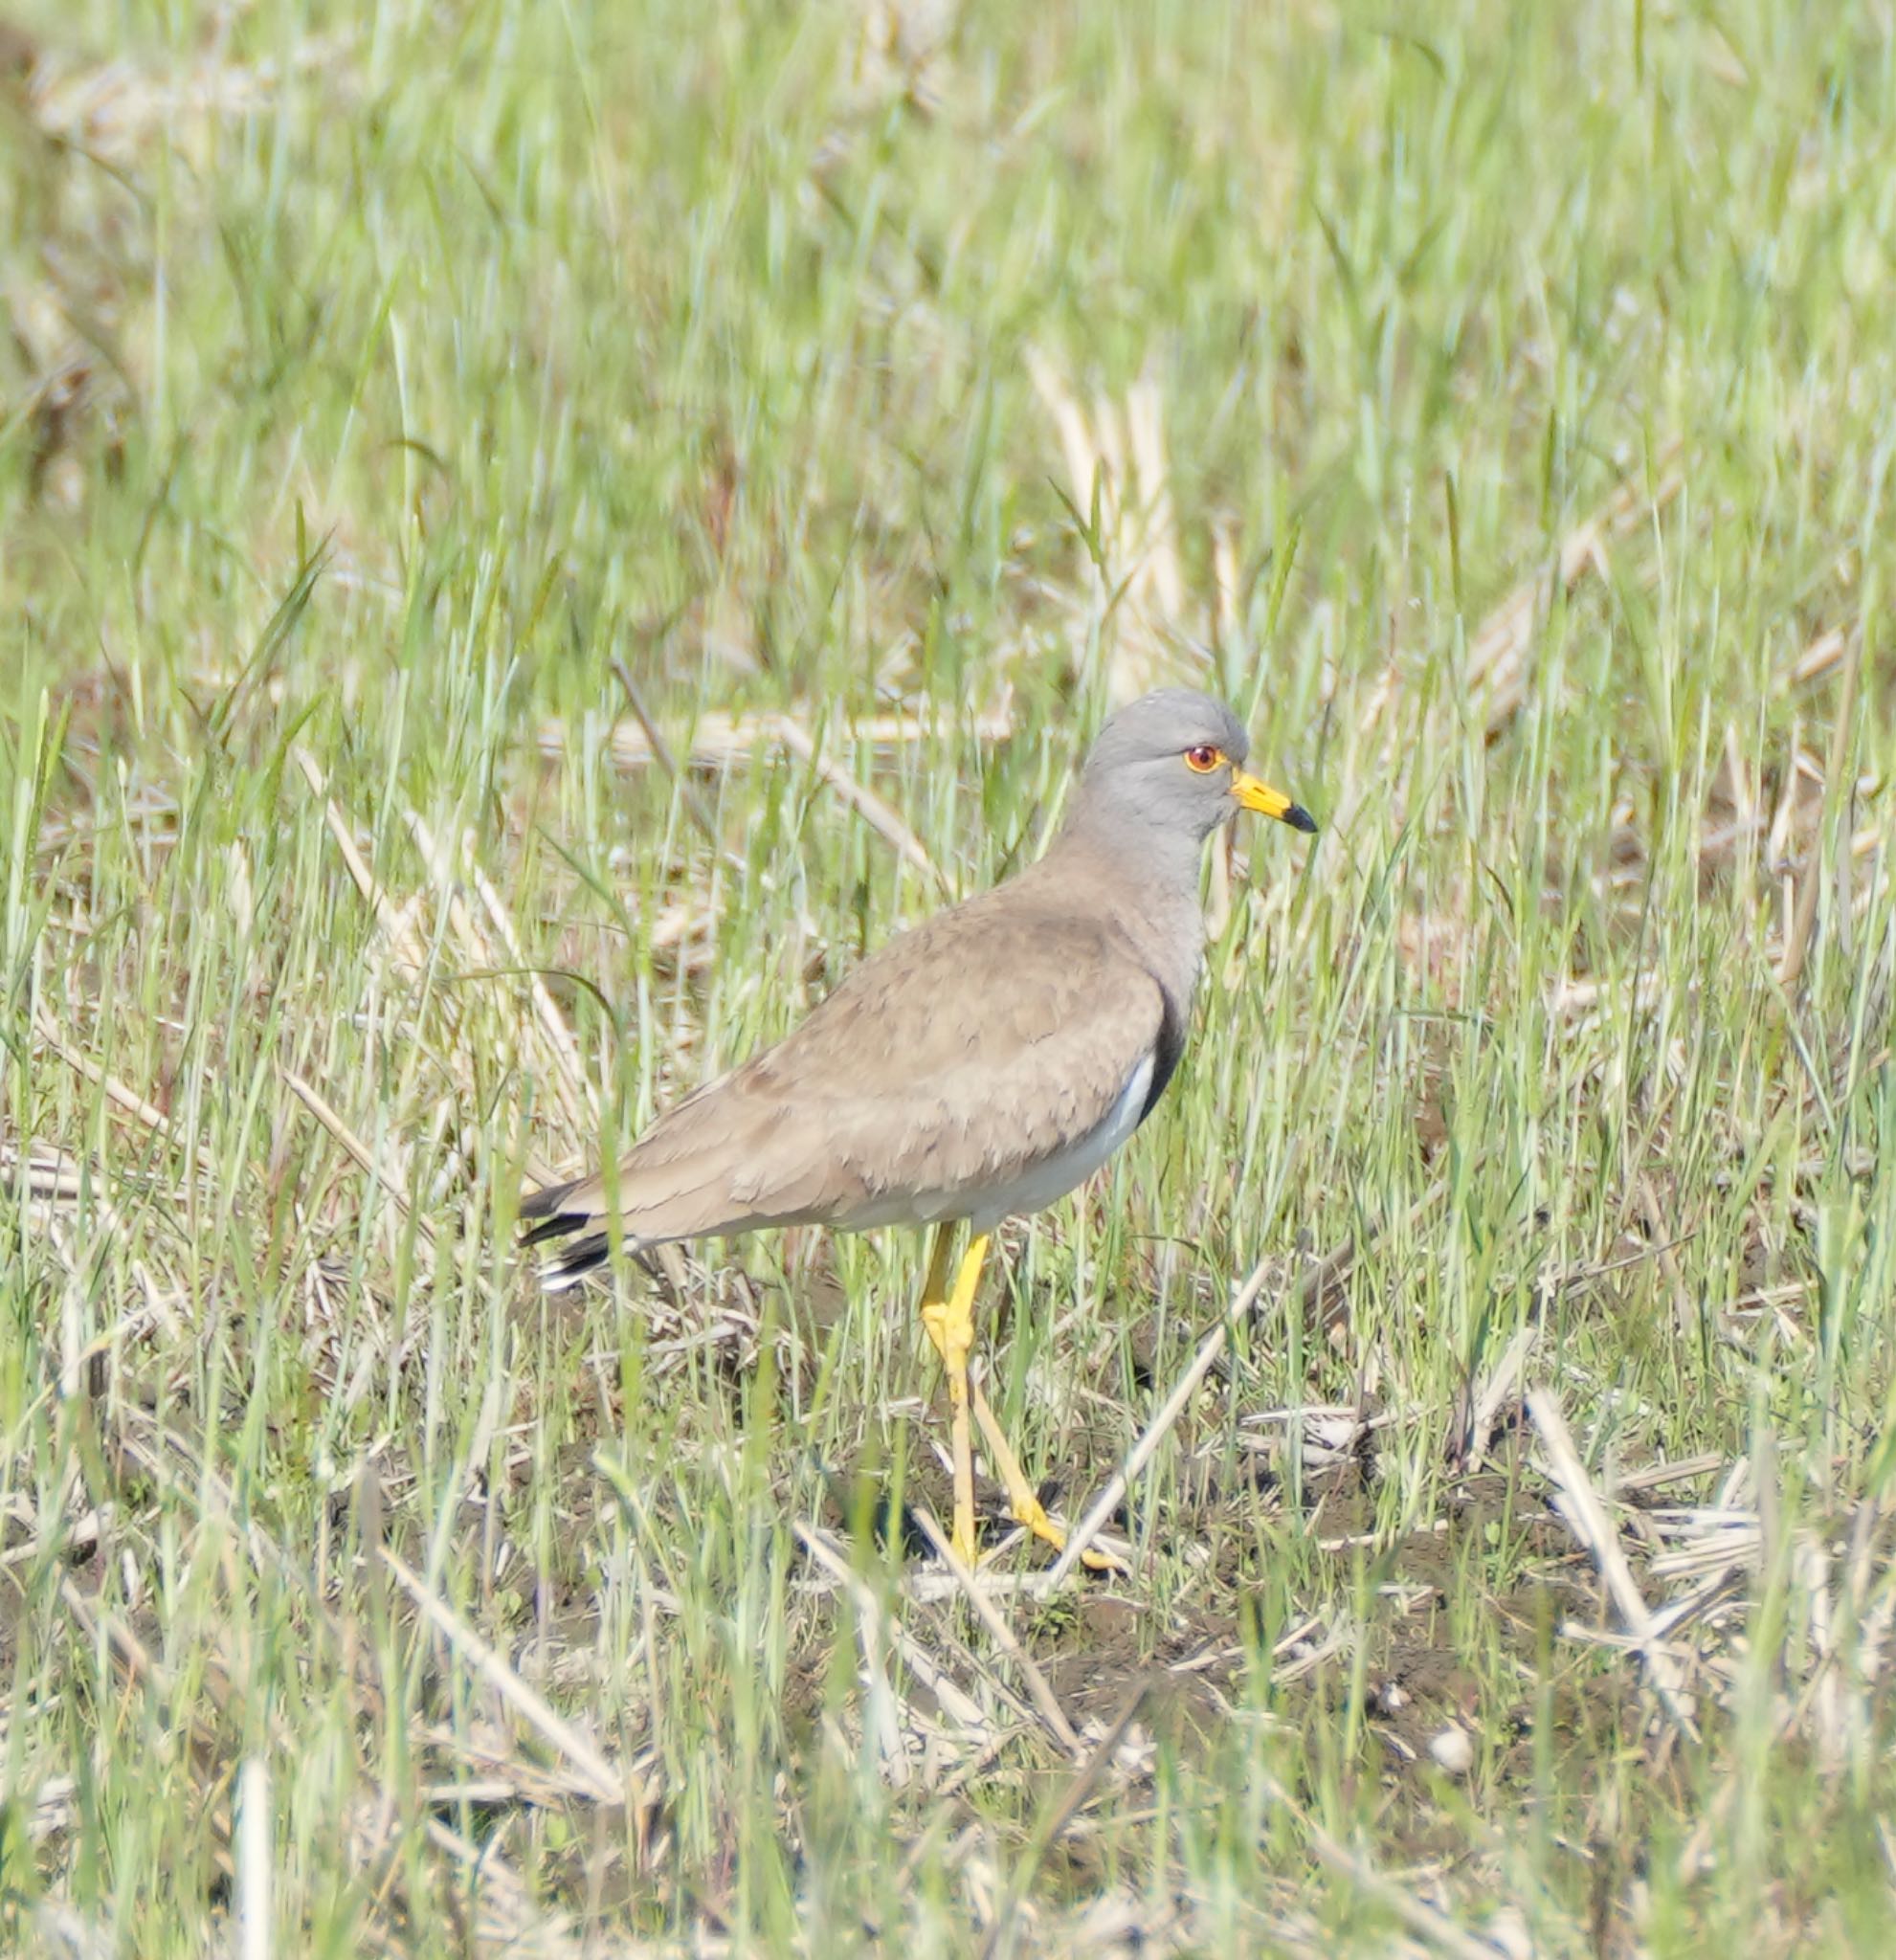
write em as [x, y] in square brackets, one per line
[576, 1260]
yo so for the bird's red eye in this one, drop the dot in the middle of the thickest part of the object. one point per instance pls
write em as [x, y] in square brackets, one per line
[1204, 758]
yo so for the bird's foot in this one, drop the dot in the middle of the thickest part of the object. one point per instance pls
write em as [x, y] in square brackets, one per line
[1032, 1514]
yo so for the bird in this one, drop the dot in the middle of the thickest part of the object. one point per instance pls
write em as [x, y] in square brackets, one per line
[975, 1069]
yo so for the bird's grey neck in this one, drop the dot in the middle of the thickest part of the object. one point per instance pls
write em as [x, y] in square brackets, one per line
[1154, 874]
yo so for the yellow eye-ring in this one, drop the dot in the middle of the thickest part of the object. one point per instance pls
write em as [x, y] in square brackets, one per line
[1204, 758]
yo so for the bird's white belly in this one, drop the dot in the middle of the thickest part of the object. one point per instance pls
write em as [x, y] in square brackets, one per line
[1054, 1176]
[1034, 1189]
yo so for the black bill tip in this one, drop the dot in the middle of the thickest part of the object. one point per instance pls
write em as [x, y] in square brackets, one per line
[1299, 819]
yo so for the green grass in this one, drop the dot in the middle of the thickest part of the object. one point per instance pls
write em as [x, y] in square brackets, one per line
[372, 380]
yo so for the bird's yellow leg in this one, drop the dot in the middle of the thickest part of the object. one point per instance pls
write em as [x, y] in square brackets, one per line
[948, 1313]
[1022, 1495]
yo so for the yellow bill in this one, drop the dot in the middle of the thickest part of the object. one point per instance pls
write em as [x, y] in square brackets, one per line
[1268, 802]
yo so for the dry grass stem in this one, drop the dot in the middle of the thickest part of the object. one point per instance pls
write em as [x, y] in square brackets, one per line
[1584, 1511]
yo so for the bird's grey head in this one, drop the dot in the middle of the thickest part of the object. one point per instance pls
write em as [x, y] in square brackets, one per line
[1171, 764]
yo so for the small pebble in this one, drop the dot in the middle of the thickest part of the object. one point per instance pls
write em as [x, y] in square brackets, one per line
[1454, 1750]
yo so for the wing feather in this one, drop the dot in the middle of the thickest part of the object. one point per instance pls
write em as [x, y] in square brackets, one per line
[906, 1089]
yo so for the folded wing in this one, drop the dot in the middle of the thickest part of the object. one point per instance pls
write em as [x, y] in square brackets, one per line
[903, 1095]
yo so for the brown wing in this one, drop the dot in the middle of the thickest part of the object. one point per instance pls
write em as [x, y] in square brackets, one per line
[910, 1081]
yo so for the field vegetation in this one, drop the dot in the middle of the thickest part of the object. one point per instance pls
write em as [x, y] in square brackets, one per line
[531, 537]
